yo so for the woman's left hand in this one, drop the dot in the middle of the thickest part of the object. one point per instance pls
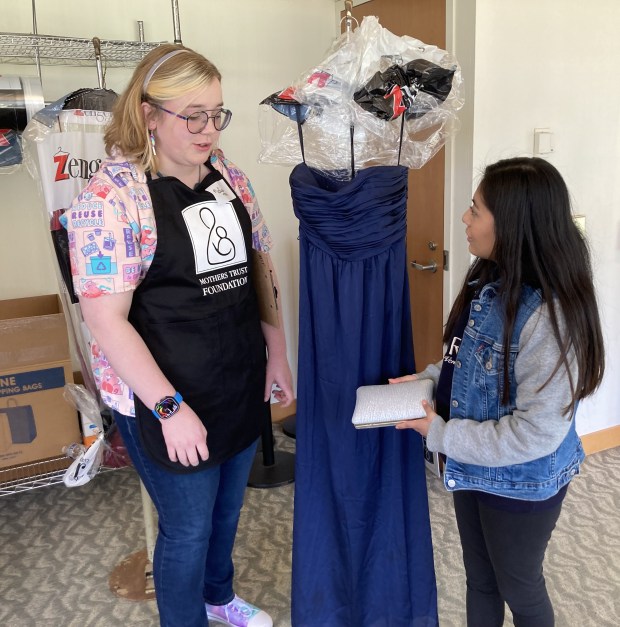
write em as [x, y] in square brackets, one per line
[421, 425]
[279, 374]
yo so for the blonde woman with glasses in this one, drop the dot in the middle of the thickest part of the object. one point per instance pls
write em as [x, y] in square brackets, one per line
[161, 249]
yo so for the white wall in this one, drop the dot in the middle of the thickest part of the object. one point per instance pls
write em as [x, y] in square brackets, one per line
[258, 46]
[526, 64]
[461, 42]
[553, 63]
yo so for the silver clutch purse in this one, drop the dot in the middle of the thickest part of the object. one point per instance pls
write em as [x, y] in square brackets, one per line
[384, 405]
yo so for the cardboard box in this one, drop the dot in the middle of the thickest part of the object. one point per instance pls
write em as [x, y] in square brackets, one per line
[35, 419]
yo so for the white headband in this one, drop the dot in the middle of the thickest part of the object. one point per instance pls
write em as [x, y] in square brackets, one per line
[156, 66]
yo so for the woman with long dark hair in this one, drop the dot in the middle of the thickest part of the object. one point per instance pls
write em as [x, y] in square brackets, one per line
[523, 347]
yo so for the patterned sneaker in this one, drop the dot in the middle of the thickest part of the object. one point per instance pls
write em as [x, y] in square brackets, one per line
[239, 613]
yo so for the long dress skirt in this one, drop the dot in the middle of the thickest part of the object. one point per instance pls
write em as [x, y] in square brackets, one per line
[362, 551]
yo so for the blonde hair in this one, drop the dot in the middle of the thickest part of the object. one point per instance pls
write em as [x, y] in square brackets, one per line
[173, 77]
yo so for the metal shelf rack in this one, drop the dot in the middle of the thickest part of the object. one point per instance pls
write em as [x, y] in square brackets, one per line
[29, 49]
[35, 49]
[36, 475]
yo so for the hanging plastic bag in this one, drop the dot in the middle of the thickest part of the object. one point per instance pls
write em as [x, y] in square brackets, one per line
[86, 465]
[102, 444]
[345, 123]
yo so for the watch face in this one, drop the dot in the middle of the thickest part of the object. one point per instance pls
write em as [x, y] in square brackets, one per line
[167, 407]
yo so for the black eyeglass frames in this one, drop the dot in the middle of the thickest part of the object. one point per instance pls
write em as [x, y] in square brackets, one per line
[197, 121]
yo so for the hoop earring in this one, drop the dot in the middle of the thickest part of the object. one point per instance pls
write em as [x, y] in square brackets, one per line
[152, 140]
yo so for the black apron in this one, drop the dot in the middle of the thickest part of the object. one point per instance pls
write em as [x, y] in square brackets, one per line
[197, 312]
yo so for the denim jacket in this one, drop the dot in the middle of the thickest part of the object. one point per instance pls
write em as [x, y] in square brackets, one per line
[477, 392]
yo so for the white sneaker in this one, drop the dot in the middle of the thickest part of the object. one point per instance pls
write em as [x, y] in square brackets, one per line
[239, 613]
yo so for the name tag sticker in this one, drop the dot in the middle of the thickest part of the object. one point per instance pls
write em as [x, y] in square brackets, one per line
[221, 191]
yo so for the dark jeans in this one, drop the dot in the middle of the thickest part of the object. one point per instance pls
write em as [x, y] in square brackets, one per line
[503, 553]
[198, 515]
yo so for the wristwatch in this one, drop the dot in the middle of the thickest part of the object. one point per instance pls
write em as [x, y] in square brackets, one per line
[167, 406]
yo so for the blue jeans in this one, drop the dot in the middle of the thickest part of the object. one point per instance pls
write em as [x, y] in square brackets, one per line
[198, 516]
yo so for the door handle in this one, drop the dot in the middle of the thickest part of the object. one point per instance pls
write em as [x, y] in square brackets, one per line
[430, 267]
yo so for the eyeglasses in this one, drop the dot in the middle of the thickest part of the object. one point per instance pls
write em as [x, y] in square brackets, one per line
[197, 122]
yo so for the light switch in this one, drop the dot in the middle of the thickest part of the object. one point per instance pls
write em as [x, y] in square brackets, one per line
[543, 141]
[580, 221]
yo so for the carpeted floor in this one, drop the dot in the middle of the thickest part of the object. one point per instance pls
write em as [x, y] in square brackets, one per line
[58, 547]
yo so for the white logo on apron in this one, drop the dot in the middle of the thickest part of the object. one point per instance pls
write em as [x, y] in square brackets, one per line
[216, 235]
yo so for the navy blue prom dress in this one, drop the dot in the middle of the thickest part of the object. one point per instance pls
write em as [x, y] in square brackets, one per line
[362, 552]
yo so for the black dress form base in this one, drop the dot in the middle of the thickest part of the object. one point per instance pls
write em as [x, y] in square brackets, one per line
[271, 468]
[288, 426]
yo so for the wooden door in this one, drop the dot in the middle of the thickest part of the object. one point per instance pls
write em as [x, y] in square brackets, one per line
[425, 20]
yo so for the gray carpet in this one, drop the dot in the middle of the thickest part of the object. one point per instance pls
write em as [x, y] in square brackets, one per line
[58, 547]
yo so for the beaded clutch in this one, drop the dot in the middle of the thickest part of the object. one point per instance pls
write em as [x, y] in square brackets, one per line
[384, 405]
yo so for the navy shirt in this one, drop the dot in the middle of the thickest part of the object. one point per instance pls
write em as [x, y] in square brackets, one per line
[443, 393]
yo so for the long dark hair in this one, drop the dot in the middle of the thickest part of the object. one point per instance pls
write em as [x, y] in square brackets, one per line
[538, 243]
